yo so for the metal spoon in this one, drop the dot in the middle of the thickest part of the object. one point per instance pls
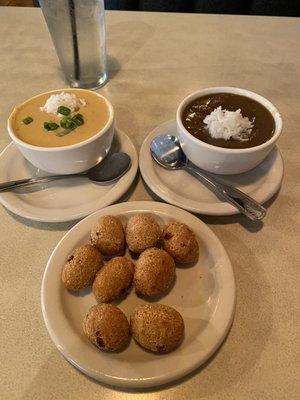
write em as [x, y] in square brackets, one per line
[107, 171]
[167, 152]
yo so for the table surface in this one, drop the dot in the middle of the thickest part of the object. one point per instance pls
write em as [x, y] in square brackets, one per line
[155, 60]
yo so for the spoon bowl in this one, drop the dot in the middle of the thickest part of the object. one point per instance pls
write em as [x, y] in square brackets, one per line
[110, 169]
[167, 152]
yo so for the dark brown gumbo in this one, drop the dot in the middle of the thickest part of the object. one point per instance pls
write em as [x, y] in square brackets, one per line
[258, 121]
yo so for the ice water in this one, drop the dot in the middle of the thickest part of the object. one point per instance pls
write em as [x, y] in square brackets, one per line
[77, 28]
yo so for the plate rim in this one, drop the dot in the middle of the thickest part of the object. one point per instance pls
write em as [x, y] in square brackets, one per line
[132, 172]
[140, 206]
[205, 208]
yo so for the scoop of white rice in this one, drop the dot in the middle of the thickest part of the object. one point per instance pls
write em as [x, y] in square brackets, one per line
[69, 100]
[224, 124]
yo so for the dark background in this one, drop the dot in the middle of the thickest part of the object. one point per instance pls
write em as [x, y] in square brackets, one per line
[248, 7]
[252, 7]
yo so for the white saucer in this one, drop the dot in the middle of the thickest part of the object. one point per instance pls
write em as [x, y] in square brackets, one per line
[204, 294]
[185, 191]
[63, 200]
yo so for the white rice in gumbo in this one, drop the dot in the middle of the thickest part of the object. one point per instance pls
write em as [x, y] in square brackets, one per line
[224, 124]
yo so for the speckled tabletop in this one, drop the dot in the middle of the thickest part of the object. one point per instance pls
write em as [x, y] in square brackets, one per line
[156, 60]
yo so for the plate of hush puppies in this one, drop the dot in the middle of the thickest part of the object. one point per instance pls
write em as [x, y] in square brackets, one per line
[138, 294]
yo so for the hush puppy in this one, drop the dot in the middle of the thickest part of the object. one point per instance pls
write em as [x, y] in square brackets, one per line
[154, 272]
[108, 236]
[81, 267]
[180, 242]
[113, 280]
[142, 231]
[107, 327]
[157, 327]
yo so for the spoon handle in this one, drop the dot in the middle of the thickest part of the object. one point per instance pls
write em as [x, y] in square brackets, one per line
[11, 185]
[244, 203]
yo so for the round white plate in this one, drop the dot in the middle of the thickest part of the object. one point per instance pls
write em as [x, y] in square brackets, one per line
[203, 293]
[64, 200]
[185, 191]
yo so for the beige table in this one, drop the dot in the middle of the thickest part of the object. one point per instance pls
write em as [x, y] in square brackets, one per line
[156, 60]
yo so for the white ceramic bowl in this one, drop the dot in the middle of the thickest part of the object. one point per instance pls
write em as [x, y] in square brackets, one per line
[70, 159]
[221, 160]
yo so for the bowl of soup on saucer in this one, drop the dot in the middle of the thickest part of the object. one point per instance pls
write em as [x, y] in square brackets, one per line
[227, 130]
[63, 131]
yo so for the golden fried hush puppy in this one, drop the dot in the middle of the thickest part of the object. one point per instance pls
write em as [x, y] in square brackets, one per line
[142, 231]
[180, 242]
[154, 272]
[81, 267]
[108, 236]
[107, 327]
[113, 280]
[157, 327]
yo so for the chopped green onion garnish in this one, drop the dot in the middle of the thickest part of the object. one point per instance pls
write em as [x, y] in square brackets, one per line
[63, 110]
[50, 126]
[78, 119]
[27, 120]
[64, 132]
[67, 123]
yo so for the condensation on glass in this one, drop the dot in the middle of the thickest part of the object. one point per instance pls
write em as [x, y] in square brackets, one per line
[78, 32]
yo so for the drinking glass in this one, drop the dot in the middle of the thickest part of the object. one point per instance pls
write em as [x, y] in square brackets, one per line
[77, 28]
